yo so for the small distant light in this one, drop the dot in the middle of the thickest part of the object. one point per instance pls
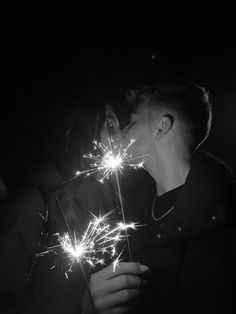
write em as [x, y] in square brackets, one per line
[153, 57]
[67, 132]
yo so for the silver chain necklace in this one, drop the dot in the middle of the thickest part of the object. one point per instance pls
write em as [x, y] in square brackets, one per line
[162, 216]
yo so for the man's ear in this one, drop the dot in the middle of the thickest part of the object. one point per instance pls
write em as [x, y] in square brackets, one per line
[163, 126]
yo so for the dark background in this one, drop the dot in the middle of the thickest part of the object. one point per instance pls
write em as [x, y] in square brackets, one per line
[51, 61]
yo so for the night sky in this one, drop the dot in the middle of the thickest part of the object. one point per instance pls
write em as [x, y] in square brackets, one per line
[51, 61]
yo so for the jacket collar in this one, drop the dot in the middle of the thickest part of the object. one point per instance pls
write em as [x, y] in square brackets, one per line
[202, 202]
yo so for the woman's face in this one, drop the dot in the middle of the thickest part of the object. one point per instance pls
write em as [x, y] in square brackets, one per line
[110, 133]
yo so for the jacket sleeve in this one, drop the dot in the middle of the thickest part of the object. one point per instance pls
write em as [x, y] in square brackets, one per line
[20, 233]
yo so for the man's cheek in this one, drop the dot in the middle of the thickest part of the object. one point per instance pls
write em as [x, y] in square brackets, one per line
[104, 137]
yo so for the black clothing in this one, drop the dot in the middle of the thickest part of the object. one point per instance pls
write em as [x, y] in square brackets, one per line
[188, 250]
[162, 204]
[50, 291]
[191, 259]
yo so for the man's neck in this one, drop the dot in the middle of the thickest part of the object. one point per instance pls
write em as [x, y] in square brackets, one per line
[169, 172]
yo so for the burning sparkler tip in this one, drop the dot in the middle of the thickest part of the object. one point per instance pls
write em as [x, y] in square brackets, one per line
[100, 239]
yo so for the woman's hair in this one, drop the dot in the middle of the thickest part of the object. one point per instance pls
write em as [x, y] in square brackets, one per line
[83, 125]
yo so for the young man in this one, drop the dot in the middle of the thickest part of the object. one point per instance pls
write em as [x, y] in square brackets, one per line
[189, 224]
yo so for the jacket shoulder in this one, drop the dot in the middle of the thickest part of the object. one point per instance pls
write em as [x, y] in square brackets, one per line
[22, 214]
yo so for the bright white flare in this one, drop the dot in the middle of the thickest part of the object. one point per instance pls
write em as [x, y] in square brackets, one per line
[110, 160]
[97, 245]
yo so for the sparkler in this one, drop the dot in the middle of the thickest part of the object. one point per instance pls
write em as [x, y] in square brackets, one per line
[110, 140]
[99, 241]
[111, 159]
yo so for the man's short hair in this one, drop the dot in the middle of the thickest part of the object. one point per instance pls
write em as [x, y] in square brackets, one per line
[184, 99]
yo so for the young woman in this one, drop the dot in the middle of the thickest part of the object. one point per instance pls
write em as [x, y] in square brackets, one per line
[31, 282]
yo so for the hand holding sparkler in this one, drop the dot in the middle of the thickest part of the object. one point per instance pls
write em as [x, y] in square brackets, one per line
[114, 290]
[98, 240]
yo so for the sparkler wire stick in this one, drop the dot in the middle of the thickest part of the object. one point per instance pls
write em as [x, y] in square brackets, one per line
[73, 243]
[123, 214]
[119, 193]
[65, 221]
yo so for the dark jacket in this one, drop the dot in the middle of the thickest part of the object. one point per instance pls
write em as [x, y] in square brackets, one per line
[191, 253]
[29, 285]
[191, 260]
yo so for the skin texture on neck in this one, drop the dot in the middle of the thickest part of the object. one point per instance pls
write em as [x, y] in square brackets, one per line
[169, 161]
[169, 172]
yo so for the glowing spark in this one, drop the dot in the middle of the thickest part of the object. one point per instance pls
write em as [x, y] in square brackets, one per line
[124, 226]
[116, 261]
[99, 241]
[110, 160]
